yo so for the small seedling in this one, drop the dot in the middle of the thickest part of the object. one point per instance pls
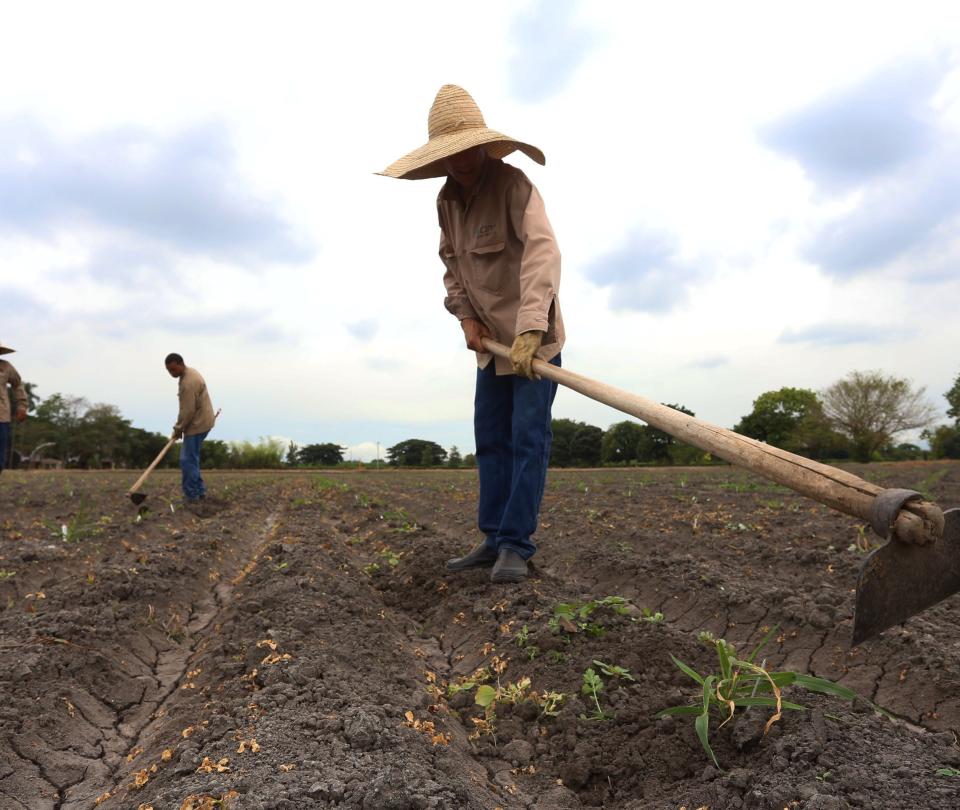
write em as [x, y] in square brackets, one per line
[592, 687]
[522, 637]
[572, 617]
[612, 671]
[371, 568]
[862, 541]
[550, 703]
[78, 527]
[743, 684]
[947, 772]
[650, 616]
[4, 574]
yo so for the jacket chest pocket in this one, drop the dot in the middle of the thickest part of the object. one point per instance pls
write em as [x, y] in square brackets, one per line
[490, 266]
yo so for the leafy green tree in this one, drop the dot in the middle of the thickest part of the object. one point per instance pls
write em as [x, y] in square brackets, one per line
[586, 445]
[563, 430]
[292, 460]
[454, 459]
[905, 451]
[655, 445]
[321, 455]
[469, 460]
[792, 419]
[944, 441]
[870, 409]
[215, 454]
[575, 444]
[953, 397]
[416, 453]
[620, 443]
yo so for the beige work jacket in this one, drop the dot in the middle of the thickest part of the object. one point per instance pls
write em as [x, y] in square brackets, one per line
[502, 260]
[9, 376]
[196, 410]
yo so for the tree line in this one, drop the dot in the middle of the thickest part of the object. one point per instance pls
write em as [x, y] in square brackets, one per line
[859, 417]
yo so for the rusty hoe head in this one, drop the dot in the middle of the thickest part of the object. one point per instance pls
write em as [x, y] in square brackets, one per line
[900, 579]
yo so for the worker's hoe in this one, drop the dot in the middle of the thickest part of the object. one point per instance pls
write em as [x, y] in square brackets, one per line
[134, 492]
[917, 567]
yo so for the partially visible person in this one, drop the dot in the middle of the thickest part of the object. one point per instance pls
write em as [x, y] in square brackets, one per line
[194, 422]
[9, 376]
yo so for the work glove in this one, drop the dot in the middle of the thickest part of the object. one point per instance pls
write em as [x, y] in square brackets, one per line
[177, 433]
[473, 332]
[21, 414]
[524, 348]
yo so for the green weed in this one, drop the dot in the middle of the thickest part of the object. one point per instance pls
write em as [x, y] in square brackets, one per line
[573, 617]
[743, 684]
[592, 687]
[4, 574]
[321, 482]
[78, 527]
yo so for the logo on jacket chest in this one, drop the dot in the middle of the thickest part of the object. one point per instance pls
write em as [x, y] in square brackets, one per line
[484, 230]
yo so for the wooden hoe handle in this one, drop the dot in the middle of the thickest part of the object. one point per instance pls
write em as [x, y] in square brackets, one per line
[918, 521]
[152, 467]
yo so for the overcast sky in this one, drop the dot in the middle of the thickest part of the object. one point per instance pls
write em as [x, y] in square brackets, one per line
[746, 195]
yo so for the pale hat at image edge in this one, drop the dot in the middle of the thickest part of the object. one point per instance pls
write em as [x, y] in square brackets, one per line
[454, 125]
[5, 349]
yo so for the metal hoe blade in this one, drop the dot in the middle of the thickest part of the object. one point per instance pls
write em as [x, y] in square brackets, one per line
[137, 498]
[901, 579]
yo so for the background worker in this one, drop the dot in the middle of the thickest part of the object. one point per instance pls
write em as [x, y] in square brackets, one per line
[9, 376]
[194, 422]
[502, 279]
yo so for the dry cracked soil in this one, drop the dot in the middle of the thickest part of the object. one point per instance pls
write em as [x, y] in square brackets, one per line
[303, 646]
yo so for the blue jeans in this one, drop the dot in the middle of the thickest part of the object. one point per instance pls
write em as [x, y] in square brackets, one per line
[511, 423]
[4, 440]
[193, 486]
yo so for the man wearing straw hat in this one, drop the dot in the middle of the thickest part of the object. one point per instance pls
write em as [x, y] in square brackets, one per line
[502, 279]
[9, 376]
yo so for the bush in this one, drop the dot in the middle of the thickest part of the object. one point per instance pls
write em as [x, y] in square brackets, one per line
[267, 454]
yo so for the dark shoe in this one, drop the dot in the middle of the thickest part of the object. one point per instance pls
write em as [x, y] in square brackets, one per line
[481, 557]
[194, 505]
[510, 567]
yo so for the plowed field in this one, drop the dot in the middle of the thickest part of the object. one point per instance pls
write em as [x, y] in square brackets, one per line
[304, 647]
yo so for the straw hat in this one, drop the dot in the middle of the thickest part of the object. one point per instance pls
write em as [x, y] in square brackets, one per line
[5, 349]
[455, 124]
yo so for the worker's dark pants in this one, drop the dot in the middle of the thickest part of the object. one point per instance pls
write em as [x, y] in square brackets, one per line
[511, 424]
[193, 486]
[4, 443]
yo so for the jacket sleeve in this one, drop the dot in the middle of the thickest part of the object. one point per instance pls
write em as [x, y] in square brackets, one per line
[456, 302]
[188, 404]
[540, 264]
[19, 392]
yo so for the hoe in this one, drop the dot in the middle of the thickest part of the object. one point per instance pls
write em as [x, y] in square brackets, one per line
[918, 566]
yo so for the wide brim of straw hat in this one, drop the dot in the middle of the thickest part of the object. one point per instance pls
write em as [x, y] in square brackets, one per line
[5, 349]
[427, 161]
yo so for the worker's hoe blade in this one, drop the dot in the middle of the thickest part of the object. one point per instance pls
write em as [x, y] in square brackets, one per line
[901, 579]
[137, 498]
